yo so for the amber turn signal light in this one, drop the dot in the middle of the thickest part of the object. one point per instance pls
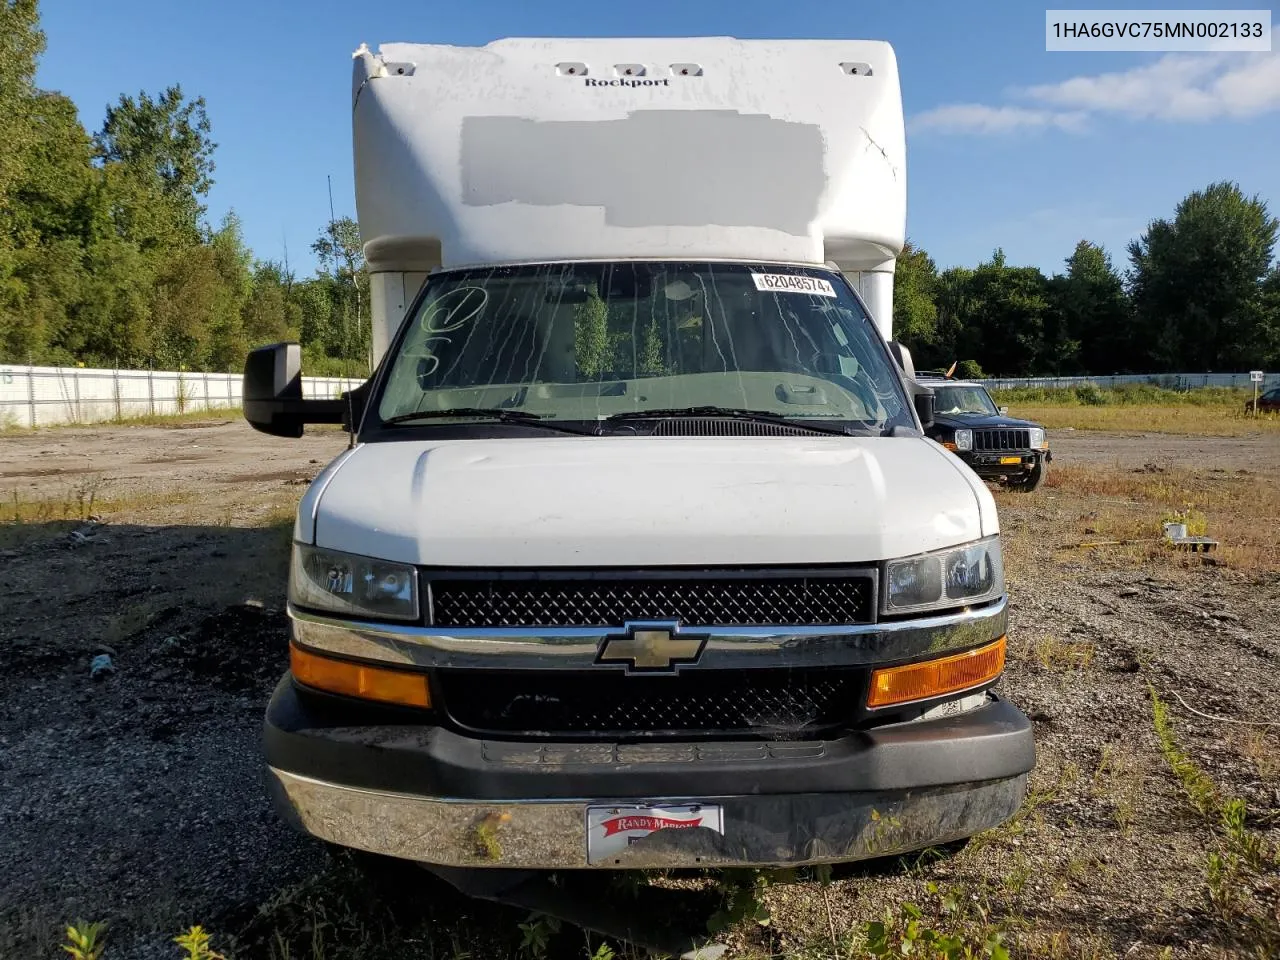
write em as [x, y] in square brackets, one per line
[358, 679]
[933, 678]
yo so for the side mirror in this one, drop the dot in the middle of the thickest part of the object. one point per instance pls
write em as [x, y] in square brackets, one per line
[924, 408]
[1004, 411]
[272, 393]
[903, 357]
[921, 396]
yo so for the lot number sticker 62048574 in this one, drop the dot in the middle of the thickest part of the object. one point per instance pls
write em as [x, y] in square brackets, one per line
[792, 283]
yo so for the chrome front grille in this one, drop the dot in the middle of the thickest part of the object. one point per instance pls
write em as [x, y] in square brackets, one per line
[610, 601]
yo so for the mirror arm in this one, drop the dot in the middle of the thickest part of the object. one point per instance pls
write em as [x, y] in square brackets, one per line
[353, 405]
[314, 411]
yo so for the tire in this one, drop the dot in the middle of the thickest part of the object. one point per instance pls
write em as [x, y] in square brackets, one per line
[1036, 477]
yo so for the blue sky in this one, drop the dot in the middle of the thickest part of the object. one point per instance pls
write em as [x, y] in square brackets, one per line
[1008, 145]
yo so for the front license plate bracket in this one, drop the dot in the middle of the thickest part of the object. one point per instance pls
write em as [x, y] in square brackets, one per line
[613, 827]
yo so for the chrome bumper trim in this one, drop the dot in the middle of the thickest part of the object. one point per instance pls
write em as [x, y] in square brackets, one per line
[576, 648]
[760, 831]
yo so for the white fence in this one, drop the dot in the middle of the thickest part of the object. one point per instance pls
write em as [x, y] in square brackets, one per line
[1170, 381]
[43, 396]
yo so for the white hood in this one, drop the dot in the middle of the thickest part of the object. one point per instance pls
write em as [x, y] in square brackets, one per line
[630, 501]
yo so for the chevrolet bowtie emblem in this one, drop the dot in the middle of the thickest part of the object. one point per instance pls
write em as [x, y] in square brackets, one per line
[651, 648]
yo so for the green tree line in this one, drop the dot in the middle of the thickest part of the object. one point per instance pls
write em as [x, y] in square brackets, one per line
[107, 258]
[1201, 292]
[106, 254]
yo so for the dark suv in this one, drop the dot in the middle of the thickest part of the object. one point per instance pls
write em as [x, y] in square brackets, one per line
[1014, 453]
[1269, 402]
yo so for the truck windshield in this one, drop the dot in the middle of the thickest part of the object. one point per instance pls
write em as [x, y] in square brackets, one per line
[964, 401]
[590, 341]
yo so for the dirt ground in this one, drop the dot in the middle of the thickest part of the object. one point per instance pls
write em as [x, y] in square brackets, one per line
[137, 797]
[226, 451]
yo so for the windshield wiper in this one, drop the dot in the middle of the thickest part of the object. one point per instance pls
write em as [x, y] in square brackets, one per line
[522, 417]
[761, 416]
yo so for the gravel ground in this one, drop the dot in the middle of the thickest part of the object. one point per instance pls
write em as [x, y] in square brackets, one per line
[138, 798]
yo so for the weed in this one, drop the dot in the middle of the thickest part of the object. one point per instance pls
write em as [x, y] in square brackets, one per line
[1016, 879]
[1127, 395]
[1243, 860]
[907, 936]
[198, 413]
[339, 914]
[1200, 790]
[1090, 396]
[741, 898]
[22, 520]
[85, 941]
[76, 504]
[1198, 412]
[1254, 745]
[958, 934]
[1262, 752]
[1055, 654]
[1058, 945]
[86, 494]
[195, 945]
[1120, 514]
[629, 883]
[538, 932]
[1197, 524]
[1243, 842]
[1229, 879]
[1220, 876]
[1081, 868]
[1118, 780]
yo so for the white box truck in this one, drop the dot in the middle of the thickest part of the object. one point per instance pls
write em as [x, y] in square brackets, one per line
[639, 556]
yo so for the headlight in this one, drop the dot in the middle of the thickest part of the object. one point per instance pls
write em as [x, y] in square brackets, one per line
[955, 577]
[964, 439]
[351, 585]
[1037, 438]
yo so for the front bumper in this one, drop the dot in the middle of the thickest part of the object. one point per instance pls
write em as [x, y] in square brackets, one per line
[1005, 463]
[427, 794]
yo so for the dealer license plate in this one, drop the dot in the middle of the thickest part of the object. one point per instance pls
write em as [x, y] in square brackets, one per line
[1010, 460]
[611, 828]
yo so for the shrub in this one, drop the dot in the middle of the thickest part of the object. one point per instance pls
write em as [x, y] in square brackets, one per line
[1090, 395]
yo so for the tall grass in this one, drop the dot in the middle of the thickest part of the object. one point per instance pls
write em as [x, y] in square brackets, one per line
[1126, 509]
[1212, 411]
[1136, 394]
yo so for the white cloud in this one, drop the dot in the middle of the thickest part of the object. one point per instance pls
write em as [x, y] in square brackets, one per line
[979, 118]
[1177, 87]
[1205, 86]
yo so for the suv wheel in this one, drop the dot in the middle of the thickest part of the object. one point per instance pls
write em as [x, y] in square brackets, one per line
[1036, 477]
